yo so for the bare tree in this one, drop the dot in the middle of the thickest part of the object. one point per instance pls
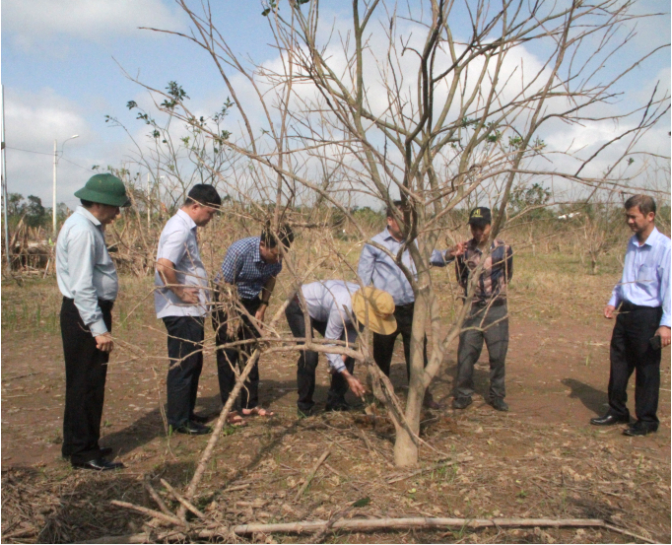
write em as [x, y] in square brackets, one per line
[436, 104]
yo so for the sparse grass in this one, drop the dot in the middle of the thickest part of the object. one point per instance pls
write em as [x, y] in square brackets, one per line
[518, 465]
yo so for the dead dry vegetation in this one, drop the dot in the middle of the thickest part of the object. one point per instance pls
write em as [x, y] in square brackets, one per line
[489, 477]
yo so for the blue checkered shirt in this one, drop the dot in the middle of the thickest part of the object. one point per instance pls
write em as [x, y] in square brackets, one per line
[244, 267]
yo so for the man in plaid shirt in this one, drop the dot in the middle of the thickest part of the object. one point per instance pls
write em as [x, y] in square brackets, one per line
[251, 265]
[488, 317]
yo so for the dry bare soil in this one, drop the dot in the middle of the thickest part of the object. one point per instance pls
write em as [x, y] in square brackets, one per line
[542, 459]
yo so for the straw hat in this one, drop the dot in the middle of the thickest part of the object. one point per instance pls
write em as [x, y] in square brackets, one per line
[375, 308]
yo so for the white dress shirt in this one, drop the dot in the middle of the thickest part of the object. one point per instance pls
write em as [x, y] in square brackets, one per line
[331, 302]
[179, 245]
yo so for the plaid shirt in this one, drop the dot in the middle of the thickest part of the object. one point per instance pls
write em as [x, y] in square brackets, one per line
[244, 267]
[495, 275]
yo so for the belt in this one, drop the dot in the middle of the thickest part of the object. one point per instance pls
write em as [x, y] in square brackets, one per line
[628, 307]
[496, 303]
[102, 303]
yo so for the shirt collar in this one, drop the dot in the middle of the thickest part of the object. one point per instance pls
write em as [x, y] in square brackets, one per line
[650, 240]
[473, 246]
[88, 215]
[388, 236]
[186, 218]
[256, 254]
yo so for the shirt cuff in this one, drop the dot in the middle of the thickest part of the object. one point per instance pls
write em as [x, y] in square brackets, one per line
[336, 362]
[614, 301]
[440, 258]
[98, 328]
[665, 320]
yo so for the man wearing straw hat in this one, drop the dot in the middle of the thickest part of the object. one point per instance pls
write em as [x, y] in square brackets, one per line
[87, 278]
[331, 307]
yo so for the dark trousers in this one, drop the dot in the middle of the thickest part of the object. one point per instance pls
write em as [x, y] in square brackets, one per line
[85, 372]
[185, 351]
[491, 325]
[230, 358]
[307, 363]
[383, 345]
[630, 350]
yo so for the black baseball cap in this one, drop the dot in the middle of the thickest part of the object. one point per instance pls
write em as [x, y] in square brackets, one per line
[480, 216]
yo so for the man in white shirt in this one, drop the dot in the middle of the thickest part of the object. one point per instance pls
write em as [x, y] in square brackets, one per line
[331, 306]
[87, 278]
[181, 299]
[642, 328]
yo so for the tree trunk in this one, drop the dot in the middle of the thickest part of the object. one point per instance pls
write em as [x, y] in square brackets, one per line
[405, 448]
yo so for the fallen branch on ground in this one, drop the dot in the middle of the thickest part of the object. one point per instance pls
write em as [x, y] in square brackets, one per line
[312, 474]
[381, 525]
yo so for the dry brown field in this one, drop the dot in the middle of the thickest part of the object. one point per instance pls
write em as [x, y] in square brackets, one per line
[540, 460]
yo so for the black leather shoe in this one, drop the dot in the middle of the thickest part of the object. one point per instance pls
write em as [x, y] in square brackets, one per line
[609, 420]
[638, 430]
[461, 402]
[193, 428]
[98, 464]
[499, 404]
[337, 406]
[198, 419]
[105, 451]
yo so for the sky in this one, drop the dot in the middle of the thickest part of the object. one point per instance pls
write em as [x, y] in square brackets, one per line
[63, 64]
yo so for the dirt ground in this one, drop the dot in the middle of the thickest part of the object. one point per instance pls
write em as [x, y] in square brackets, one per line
[542, 459]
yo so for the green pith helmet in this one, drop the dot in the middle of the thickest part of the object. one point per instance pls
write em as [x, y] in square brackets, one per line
[104, 189]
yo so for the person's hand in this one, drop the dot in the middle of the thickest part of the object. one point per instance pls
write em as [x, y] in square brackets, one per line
[664, 333]
[104, 342]
[609, 311]
[357, 387]
[189, 295]
[261, 312]
[458, 249]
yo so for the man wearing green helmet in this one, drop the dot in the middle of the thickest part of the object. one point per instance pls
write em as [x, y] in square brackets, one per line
[87, 278]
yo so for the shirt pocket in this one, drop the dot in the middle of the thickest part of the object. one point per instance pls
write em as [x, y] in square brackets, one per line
[646, 275]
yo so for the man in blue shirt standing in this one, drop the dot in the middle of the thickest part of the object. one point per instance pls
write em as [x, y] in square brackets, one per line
[251, 265]
[642, 299]
[87, 278]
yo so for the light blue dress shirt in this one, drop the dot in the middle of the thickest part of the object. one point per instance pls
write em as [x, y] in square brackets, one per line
[179, 245]
[378, 268]
[84, 269]
[331, 302]
[646, 275]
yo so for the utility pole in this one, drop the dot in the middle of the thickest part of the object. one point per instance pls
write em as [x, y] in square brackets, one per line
[53, 208]
[53, 199]
[5, 193]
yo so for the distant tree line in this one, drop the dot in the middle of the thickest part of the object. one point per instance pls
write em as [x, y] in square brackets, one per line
[33, 212]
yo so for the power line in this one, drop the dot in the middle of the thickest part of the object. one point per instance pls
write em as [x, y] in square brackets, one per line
[72, 163]
[29, 151]
[50, 155]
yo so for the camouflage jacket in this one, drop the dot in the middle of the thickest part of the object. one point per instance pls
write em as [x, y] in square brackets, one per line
[495, 275]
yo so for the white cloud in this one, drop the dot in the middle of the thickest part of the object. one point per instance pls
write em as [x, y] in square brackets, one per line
[33, 121]
[31, 23]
